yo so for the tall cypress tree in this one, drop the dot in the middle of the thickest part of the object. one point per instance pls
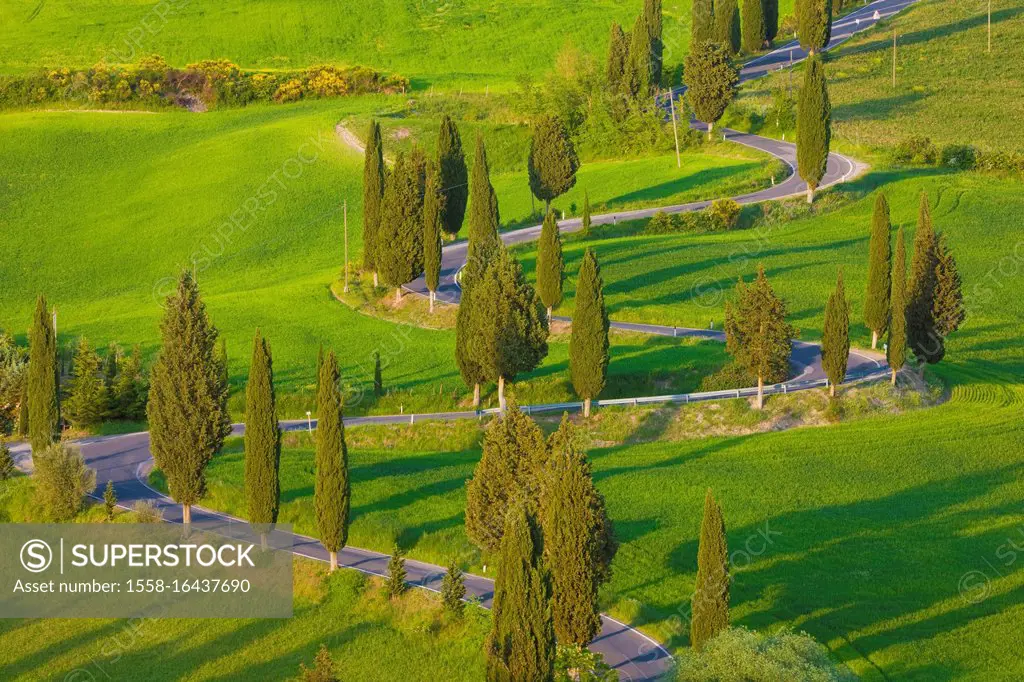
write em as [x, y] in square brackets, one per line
[331, 494]
[814, 24]
[452, 183]
[373, 196]
[262, 441]
[618, 55]
[922, 336]
[87, 400]
[578, 540]
[896, 350]
[399, 253]
[711, 80]
[552, 163]
[702, 23]
[550, 264]
[43, 384]
[753, 25]
[187, 409]
[378, 376]
[588, 344]
[521, 645]
[640, 65]
[433, 209]
[948, 307]
[585, 220]
[771, 20]
[653, 21]
[876, 300]
[711, 592]
[835, 338]
[813, 127]
[727, 25]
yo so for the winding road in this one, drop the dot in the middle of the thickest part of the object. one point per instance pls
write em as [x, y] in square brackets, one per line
[126, 459]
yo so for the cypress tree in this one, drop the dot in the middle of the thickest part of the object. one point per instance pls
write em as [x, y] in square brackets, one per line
[727, 25]
[639, 65]
[109, 500]
[922, 335]
[552, 163]
[550, 264]
[813, 127]
[711, 80]
[187, 409]
[262, 441]
[331, 494]
[129, 395]
[222, 364]
[896, 350]
[513, 453]
[618, 55]
[521, 645]
[373, 196]
[87, 401]
[837, 7]
[512, 331]
[814, 24]
[433, 208]
[653, 22]
[110, 368]
[948, 307]
[702, 25]
[753, 25]
[43, 385]
[453, 590]
[588, 344]
[400, 250]
[585, 220]
[395, 583]
[876, 300]
[578, 540]
[451, 185]
[711, 592]
[835, 341]
[23, 410]
[771, 21]
[378, 376]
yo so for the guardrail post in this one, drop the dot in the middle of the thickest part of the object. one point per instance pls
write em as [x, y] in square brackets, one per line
[737, 393]
[412, 418]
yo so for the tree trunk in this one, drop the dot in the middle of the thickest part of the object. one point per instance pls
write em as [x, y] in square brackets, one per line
[711, 127]
[501, 393]
[186, 514]
[263, 541]
[334, 561]
[760, 392]
[810, 194]
[547, 206]
[874, 339]
[476, 395]
[398, 295]
[376, 281]
[832, 390]
[549, 315]
[431, 301]
[894, 377]
[586, 407]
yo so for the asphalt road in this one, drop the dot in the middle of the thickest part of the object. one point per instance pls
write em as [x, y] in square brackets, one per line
[126, 459]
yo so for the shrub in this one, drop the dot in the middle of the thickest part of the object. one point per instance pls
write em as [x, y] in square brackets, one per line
[724, 213]
[660, 224]
[1011, 162]
[395, 582]
[323, 669]
[574, 663]
[6, 462]
[916, 149]
[959, 156]
[289, 91]
[62, 480]
[147, 512]
[733, 375]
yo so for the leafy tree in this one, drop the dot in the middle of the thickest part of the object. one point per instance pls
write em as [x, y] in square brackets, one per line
[550, 264]
[453, 590]
[740, 654]
[588, 344]
[86, 405]
[640, 65]
[948, 307]
[43, 384]
[512, 330]
[835, 340]
[876, 300]
[814, 24]
[653, 22]
[757, 334]
[399, 253]
[451, 187]
[373, 196]
[521, 645]
[702, 24]
[6, 462]
[187, 409]
[922, 335]
[109, 500]
[513, 453]
[331, 494]
[434, 201]
[323, 670]
[552, 163]
[131, 389]
[727, 25]
[62, 480]
[395, 583]
[753, 25]
[813, 127]
[585, 220]
[378, 376]
[711, 80]
[578, 540]
[618, 55]
[896, 350]
[710, 602]
[262, 441]
[771, 20]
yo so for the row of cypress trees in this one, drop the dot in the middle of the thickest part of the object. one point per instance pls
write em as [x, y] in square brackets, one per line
[718, 21]
[635, 59]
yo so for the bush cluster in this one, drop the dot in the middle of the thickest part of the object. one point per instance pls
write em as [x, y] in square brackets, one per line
[920, 150]
[153, 82]
[720, 216]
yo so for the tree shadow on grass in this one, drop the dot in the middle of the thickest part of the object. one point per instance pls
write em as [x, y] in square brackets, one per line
[926, 35]
[677, 185]
[876, 109]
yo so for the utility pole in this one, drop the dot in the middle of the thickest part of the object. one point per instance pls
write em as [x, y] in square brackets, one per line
[675, 127]
[894, 58]
[344, 212]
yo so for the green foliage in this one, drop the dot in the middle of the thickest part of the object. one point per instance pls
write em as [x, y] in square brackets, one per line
[702, 23]
[727, 25]
[509, 467]
[896, 350]
[435, 210]
[753, 25]
[618, 56]
[580, 664]
[453, 590]
[876, 299]
[771, 20]
[922, 336]
[452, 184]
[7, 467]
[835, 339]
[394, 584]
[653, 21]
[521, 646]
[637, 81]
[86, 404]
[550, 265]
[400, 240]
[757, 334]
[43, 380]
[374, 173]
[323, 670]
[109, 500]
[710, 603]
[332, 494]
[585, 219]
[814, 23]
[740, 655]
[378, 376]
[588, 345]
[711, 80]
[916, 150]
[814, 125]
[62, 480]
[552, 163]
[187, 408]
[262, 439]
[130, 391]
[948, 305]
